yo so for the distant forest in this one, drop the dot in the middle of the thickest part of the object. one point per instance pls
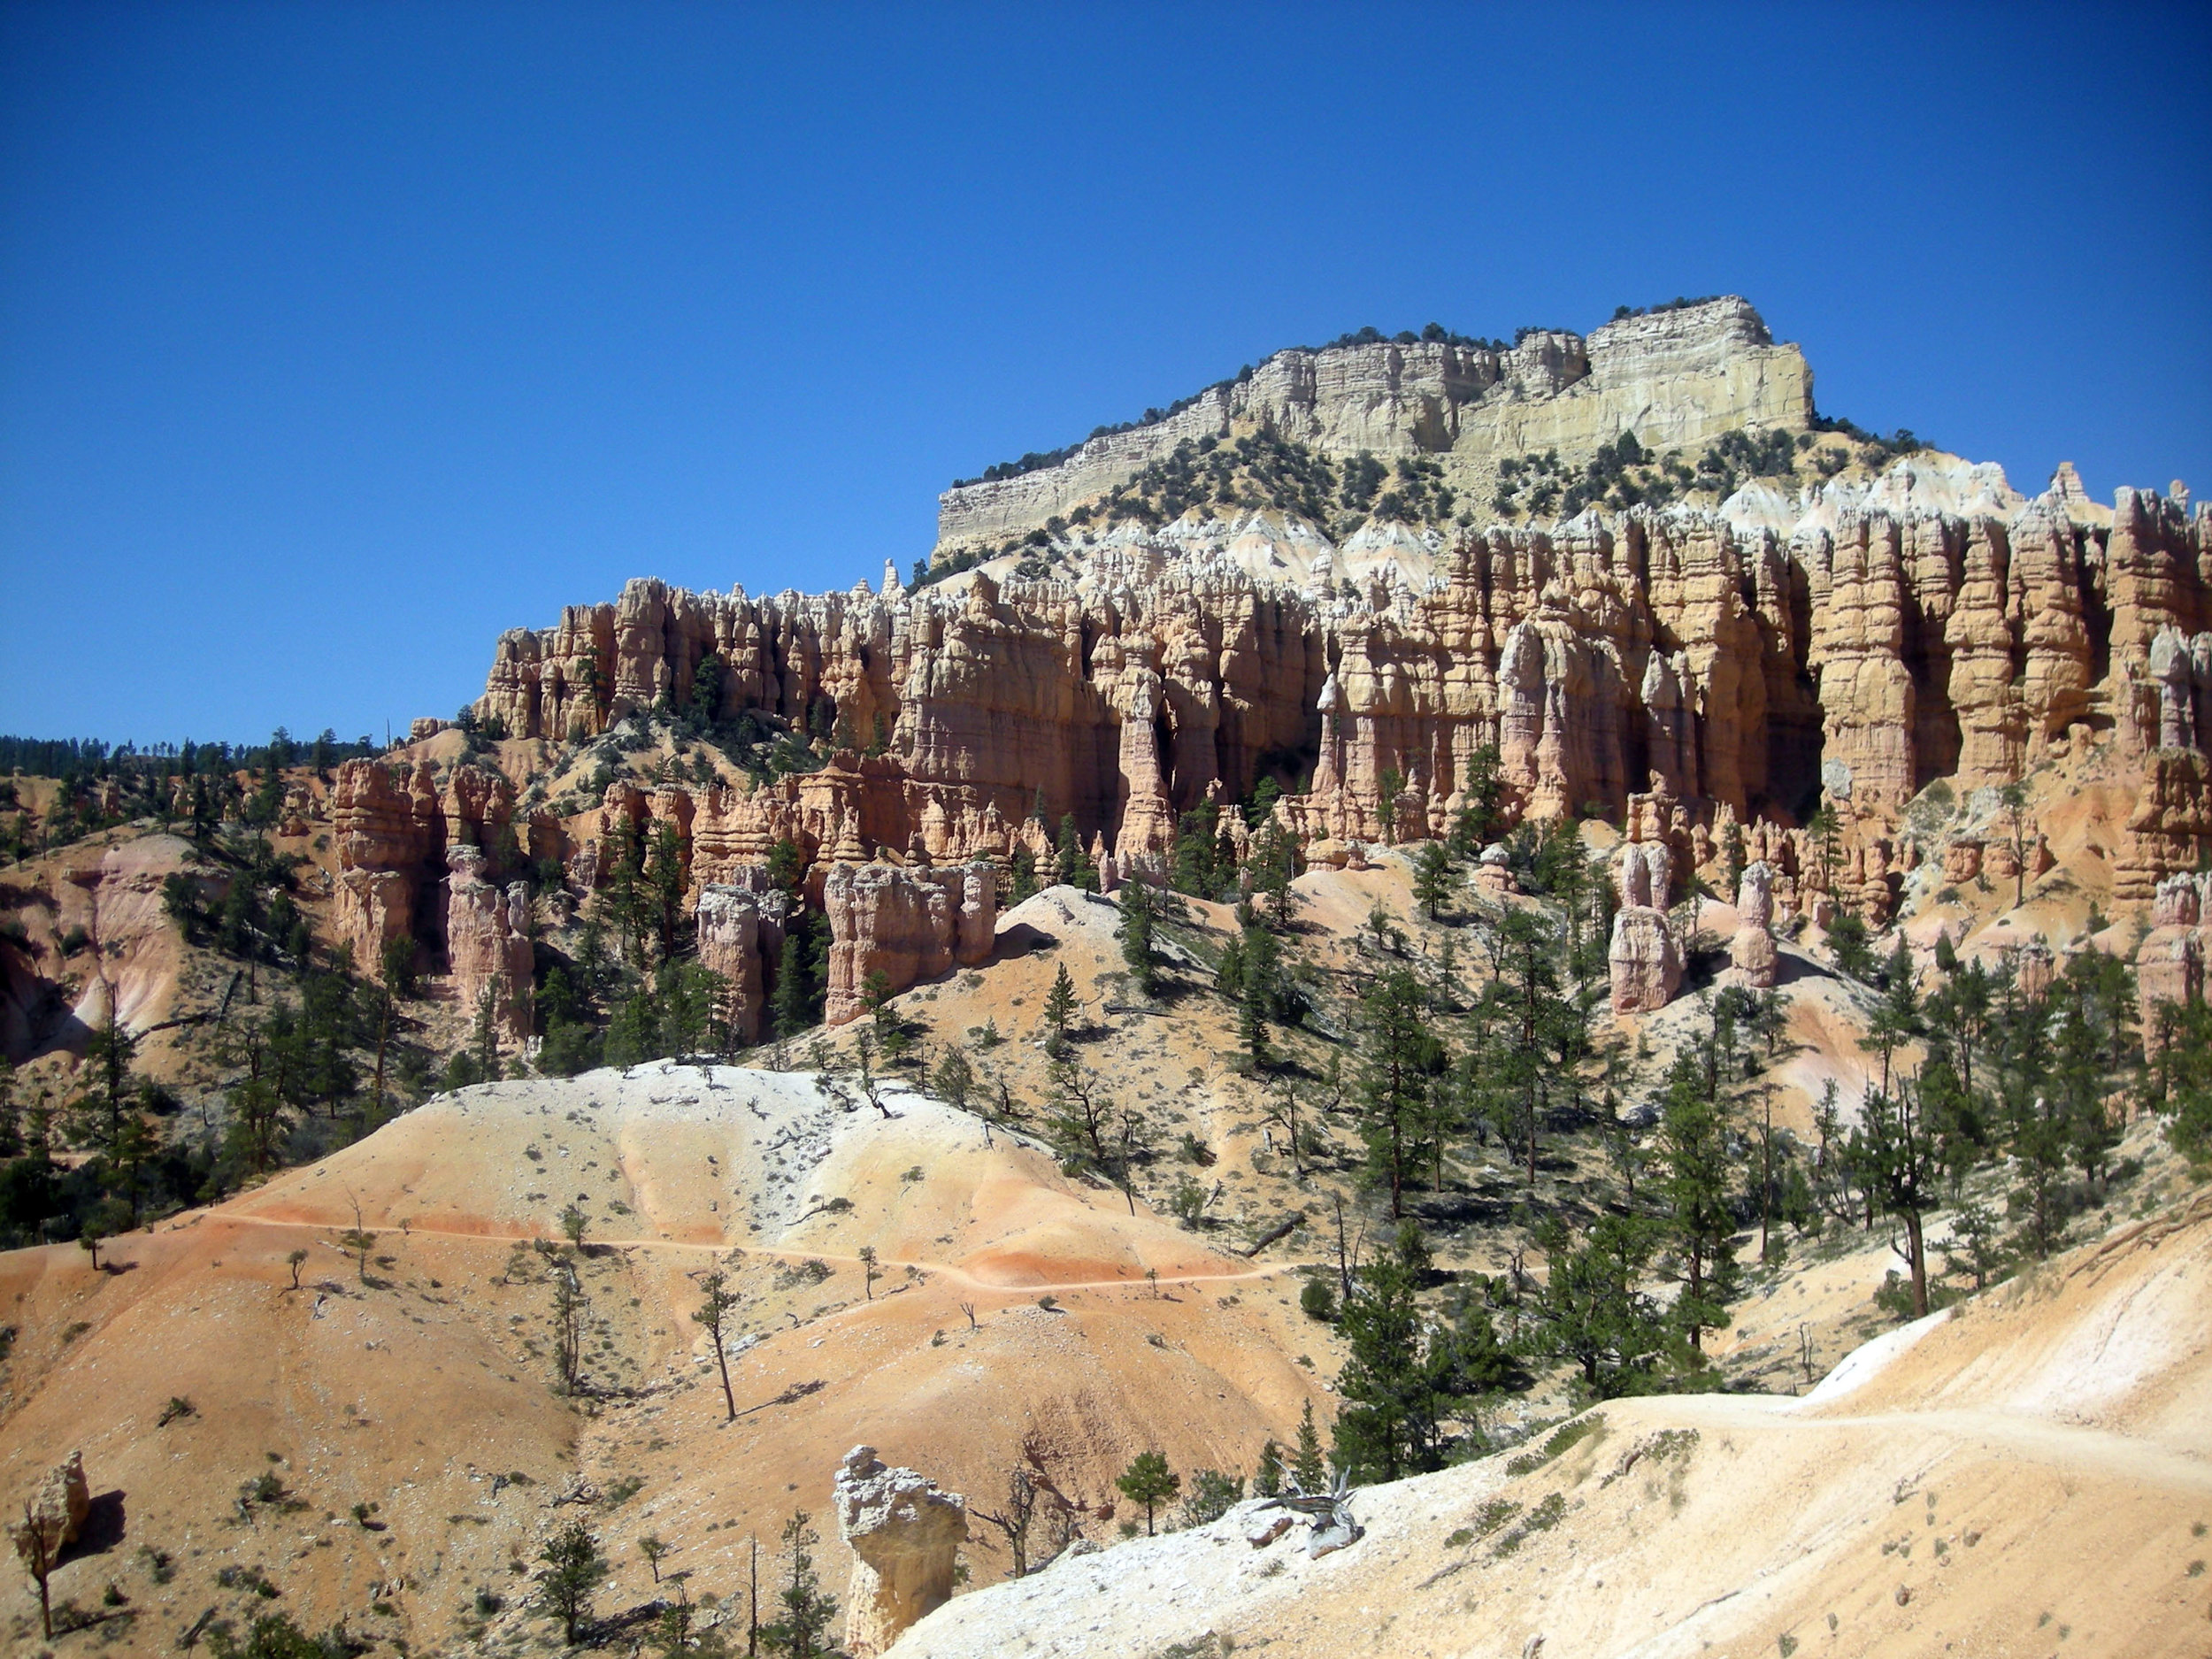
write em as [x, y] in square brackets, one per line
[71, 758]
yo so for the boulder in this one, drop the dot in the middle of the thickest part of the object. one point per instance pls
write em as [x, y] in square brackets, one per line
[56, 1513]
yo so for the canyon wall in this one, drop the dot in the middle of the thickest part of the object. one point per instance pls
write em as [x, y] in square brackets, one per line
[1736, 665]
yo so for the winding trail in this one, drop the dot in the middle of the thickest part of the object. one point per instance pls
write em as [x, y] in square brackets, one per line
[959, 1274]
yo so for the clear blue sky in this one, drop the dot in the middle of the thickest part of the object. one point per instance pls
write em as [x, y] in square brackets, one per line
[335, 339]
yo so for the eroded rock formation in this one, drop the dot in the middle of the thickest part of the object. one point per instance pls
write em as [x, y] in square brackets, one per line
[1645, 963]
[905, 1535]
[2170, 963]
[1715, 670]
[488, 942]
[1752, 952]
[906, 924]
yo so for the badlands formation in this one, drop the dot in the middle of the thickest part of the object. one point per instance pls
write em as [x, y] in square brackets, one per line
[1777, 688]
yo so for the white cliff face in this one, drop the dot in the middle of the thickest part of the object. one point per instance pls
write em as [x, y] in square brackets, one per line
[1678, 379]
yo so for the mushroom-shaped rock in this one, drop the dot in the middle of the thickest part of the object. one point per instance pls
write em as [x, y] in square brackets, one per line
[905, 1534]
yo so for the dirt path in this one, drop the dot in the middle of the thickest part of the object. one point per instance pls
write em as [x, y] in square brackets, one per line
[2090, 1451]
[960, 1275]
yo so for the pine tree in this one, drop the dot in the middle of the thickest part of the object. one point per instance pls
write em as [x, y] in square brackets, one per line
[713, 1312]
[791, 1002]
[1060, 1005]
[1267, 1480]
[1896, 1160]
[1588, 1310]
[1149, 1481]
[1138, 919]
[1540, 1032]
[1432, 879]
[1388, 1424]
[1075, 868]
[572, 1574]
[1399, 1055]
[807, 1612]
[1481, 792]
[1306, 1466]
[1693, 1144]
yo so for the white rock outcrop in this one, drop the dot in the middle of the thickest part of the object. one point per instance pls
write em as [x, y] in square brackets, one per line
[905, 1536]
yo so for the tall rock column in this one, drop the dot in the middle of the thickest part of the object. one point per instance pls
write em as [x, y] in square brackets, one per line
[488, 942]
[1753, 951]
[384, 835]
[905, 1536]
[740, 940]
[1146, 828]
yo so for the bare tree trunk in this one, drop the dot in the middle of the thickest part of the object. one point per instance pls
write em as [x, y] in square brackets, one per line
[1917, 1249]
[722, 1361]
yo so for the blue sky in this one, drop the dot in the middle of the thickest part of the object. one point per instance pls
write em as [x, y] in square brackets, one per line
[335, 339]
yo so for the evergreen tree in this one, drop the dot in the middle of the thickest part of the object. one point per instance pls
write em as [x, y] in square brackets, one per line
[1540, 1033]
[1399, 1058]
[1138, 919]
[667, 879]
[1482, 791]
[1897, 1163]
[1392, 1383]
[1060, 1005]
[1697, 1169]
[1149, 1481]
[1075, 868]
[1306, 1467]
[1433, 881]
[792, 1000]
[1271, 866]
[1204, 863]
[573, 1569]
[801, 1632]
[1267, 1480]
[1588, 1310]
